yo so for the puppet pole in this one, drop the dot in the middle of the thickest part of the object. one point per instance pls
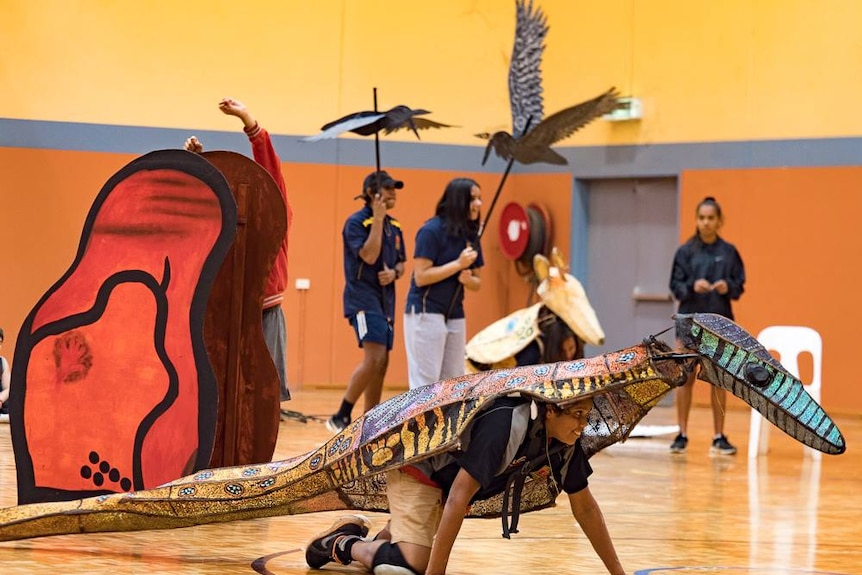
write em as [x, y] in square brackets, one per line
[496, 195]
[502, 181]
[376, 145]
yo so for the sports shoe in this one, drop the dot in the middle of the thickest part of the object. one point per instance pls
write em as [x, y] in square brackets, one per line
[331, 545]
[679, 444]
[721, 446]
[336, 424]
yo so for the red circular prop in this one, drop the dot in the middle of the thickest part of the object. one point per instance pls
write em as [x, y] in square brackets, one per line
[514, 230]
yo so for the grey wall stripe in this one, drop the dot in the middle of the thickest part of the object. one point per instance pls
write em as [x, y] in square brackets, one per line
[584, 162]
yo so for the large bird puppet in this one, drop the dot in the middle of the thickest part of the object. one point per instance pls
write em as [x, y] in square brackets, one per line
[532, 135]
[347, 472]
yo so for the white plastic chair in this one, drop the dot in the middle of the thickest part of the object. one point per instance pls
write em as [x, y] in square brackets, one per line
[789, 341]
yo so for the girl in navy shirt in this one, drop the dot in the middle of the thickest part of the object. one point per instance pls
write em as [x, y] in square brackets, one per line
[446, 261]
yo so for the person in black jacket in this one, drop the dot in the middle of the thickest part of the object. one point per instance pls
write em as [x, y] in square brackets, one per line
[707, 275]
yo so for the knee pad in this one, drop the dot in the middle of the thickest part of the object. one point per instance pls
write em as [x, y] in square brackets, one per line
[389, 561]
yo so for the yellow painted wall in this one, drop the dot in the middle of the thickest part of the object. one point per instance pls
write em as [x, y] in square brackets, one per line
[705, 70]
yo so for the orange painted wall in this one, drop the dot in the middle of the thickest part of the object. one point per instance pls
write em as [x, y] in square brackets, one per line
[47, 195]
[797, 232]
[795, 228]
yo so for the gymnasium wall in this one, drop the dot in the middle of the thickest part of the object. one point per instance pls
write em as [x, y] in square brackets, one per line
[746, 100]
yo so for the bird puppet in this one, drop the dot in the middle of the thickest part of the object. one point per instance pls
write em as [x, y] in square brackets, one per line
[532, 136]
[367, 123]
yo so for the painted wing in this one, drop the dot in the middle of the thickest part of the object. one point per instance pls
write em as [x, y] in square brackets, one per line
[505, 337]
[348, 123]
[734, 360]
[525, 75]
[566, 122]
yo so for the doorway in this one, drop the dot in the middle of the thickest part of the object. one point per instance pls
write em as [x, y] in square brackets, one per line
[631, 234]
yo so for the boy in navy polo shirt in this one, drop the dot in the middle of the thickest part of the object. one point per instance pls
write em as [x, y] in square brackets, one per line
[374, 257]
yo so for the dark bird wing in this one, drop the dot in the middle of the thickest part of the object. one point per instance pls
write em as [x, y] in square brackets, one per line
[368, 123]
[420, 123]
[403, 118]
[354, 120]
[350, 123]
[525, 75]
[566, 122]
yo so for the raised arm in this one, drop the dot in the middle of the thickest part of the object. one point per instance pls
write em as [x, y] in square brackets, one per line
[370, 250]
[261, 145]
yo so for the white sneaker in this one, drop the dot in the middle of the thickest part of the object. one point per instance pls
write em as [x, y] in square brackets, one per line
[335, 425]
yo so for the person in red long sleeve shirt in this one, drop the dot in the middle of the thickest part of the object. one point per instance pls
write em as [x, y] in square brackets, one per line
[274, 326]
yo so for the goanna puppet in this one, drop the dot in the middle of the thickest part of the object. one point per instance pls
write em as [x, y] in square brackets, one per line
[347, 472]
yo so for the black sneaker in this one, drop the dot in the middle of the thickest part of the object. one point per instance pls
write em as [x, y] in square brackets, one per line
[721, 446]
[336, 424]
[331, 544]
[679, 444]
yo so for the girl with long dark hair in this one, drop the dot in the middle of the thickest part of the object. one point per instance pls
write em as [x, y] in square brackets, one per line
[446, 262]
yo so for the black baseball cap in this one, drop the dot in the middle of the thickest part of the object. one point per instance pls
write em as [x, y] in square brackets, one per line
[386, 181]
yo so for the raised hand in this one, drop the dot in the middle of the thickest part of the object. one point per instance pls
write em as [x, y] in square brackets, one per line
[232, 107]
[193, 145]
[236, 108]
[378, 206]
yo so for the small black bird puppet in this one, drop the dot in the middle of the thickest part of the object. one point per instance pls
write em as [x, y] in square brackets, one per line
[532, 136]
[368, 122]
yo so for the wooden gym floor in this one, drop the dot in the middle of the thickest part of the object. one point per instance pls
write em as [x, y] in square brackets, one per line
[668, 514]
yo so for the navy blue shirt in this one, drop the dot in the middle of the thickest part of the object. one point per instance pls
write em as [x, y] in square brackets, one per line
[445, 297]
[716, 261]
[362, 289]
